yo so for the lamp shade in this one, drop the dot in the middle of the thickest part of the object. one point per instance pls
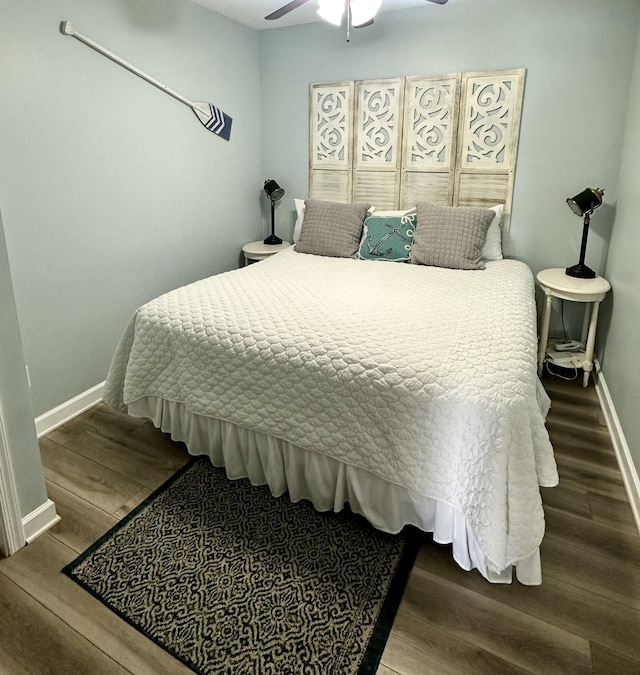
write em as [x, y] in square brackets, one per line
[586, 201]
[273, 190]
[360, 11]
[363, 11]
[331, 10]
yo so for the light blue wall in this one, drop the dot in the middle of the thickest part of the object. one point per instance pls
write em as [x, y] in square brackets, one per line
[578, 55]
[621, 360]
[111, 191]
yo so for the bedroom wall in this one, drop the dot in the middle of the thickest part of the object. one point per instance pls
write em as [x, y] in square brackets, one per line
[111, 191]
[621, 361]
[579, 58]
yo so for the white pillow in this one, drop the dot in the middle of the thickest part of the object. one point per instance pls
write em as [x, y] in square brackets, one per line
[492, 249]
[395, 214]
[299, 203]
[299, 217]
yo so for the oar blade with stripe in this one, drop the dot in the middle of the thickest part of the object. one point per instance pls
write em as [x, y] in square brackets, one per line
[213, 119]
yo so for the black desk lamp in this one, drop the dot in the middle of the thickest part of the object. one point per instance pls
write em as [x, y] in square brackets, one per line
[275, 193]
[584, 204]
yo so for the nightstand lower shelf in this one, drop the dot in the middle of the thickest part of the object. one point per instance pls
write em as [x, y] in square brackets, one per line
[565, 359]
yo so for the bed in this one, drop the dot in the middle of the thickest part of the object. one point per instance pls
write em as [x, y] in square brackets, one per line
[408, 391]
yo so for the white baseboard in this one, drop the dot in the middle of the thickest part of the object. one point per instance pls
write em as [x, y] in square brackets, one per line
[67, 411]
[39, 521]
[44, 517]
[623, 453]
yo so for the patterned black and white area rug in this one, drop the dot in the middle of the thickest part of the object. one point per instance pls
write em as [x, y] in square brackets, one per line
[229, 579]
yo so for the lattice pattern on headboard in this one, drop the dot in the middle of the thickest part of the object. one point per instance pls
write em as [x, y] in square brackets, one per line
[378, 137]
[430, 139]
[331, 145]
[449, 139]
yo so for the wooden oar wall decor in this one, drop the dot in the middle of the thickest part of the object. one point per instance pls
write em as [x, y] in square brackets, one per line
[211, 117]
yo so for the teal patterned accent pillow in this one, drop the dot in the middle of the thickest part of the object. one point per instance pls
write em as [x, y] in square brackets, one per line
[387, 238]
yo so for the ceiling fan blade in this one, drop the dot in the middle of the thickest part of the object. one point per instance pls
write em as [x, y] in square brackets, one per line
[439, 2]
[285, 9]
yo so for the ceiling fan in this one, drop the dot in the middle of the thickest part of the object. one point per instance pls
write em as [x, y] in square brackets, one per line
[360, 13]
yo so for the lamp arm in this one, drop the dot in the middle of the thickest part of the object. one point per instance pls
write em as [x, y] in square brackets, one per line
[273, 217]
[585, 234]
[272, 239]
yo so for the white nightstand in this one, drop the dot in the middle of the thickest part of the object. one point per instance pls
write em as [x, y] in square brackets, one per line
[258, 250]
[556, 284]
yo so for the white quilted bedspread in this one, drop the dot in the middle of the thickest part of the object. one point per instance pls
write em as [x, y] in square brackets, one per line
[426, 377]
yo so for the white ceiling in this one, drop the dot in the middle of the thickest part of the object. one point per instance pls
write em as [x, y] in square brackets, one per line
[252, 12]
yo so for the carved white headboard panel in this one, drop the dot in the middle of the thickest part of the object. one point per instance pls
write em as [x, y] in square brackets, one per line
[450, 139]
[376, 175]
[430, 135]
[489, 129]
[331, 142]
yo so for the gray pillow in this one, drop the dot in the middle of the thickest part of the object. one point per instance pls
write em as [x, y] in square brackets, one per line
[331, 229]
[450, 236]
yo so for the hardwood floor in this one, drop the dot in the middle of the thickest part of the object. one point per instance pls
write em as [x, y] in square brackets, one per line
[585, 618]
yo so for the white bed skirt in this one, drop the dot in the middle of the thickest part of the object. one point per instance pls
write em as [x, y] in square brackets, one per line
[327, 483]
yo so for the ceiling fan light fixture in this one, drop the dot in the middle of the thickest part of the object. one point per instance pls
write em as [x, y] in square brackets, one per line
[331, 11]
[362, 11]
